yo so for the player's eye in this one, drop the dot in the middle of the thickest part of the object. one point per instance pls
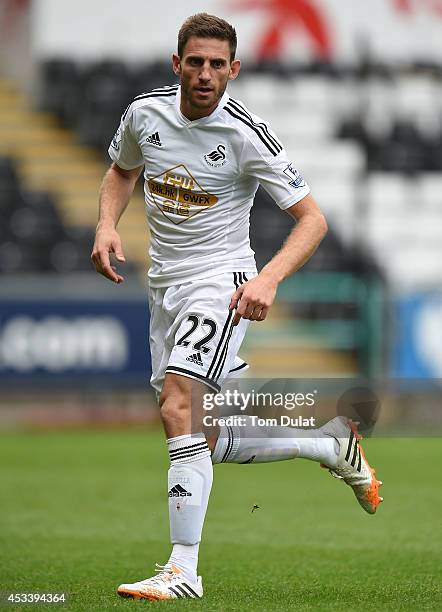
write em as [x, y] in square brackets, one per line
[195, 61]
[217, 63]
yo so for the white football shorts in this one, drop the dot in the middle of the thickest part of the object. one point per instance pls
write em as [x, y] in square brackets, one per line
[191, 331]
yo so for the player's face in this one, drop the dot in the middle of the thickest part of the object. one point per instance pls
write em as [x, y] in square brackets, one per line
[204, 70]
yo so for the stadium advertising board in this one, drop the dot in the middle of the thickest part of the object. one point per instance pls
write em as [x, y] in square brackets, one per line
[417, 351]
[74, 342]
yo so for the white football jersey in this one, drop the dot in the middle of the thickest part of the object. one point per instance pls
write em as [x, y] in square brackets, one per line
[200, 180]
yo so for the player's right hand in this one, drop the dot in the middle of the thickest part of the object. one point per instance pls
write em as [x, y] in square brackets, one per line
[107, 242]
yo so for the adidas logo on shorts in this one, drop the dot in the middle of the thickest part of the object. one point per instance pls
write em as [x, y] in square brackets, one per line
[195, 358]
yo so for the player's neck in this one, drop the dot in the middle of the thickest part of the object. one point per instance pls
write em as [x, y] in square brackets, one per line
[192, 113]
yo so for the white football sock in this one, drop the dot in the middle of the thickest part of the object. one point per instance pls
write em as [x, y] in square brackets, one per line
[189, 483]
[250, 443]
[186, 558]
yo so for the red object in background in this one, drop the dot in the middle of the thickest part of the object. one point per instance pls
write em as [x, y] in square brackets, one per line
[413, 6]
[403, 5]
[11, 13]
[287, 16]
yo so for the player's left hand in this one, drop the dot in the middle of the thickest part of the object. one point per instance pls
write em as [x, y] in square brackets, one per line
[253, 299]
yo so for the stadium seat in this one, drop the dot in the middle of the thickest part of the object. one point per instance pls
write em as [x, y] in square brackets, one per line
[32, 232]
[152, 75]
[16, 257]
[430, 186]
[344, 102]
[10, 195]
[387, 192]
[411, 268]
[312, 92]
[107, 89]
[297, 128]
[72, 253]
[414, 96]
[8, 170]
[335, 159]
[32, 227]
[384, 232]
[61, 88]
[277, 224]
[259, 92]
[376, 96]
[340, 202]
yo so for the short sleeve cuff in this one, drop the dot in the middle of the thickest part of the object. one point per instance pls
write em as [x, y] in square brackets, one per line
[114, 157]
[294, 198]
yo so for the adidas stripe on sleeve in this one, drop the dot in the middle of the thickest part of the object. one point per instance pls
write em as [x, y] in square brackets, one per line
[265, 158]
[125, 148]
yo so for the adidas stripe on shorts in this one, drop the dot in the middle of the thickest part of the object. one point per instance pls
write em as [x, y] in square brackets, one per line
[191, 331]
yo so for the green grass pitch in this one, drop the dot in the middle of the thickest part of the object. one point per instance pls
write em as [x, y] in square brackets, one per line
[81, 512]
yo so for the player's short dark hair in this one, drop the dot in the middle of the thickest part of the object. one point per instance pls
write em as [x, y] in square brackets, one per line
[204, 25]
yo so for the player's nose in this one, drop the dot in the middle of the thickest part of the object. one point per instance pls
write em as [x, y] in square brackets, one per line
[205, 74]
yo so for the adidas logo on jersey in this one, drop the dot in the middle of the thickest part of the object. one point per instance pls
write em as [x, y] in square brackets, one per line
[155, 139]
[179, 491]
[195, 358]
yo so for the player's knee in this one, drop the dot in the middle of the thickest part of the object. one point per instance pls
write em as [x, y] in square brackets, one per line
[174, 410]
[175, 400]
[212, 435]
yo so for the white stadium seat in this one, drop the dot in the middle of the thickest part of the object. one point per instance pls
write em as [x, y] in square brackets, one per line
[414, 268]
[272, 99]
[302, 126]
[376, 95]
[414, 96]
[430, 186]
[338, 199]
[395, 217]
[345, 100]
[387, 192]
[313, 92]
[329, 160]
[257, 90]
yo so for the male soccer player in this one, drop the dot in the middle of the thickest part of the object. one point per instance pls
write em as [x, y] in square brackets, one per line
[203, 155]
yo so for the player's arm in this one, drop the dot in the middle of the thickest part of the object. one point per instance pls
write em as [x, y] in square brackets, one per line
[254, 298]
[116, 190]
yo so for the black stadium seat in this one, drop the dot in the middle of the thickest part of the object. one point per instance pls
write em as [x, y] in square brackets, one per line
[404, 150]
[33, 237]
[107, 89]
[152, 75]
[73, 250]
[62, 86]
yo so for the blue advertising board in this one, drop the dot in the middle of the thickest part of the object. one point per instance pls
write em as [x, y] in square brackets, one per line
[418, 336]
[74, 341]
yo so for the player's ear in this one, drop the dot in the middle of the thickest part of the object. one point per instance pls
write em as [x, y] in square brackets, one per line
[235, 67]
[176, 64]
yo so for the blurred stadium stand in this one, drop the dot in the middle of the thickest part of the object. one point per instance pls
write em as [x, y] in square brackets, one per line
[369, 141]
[34, 238]
[91, 98]
[45, 157]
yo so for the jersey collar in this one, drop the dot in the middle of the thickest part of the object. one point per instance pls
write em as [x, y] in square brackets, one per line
[204, 120]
